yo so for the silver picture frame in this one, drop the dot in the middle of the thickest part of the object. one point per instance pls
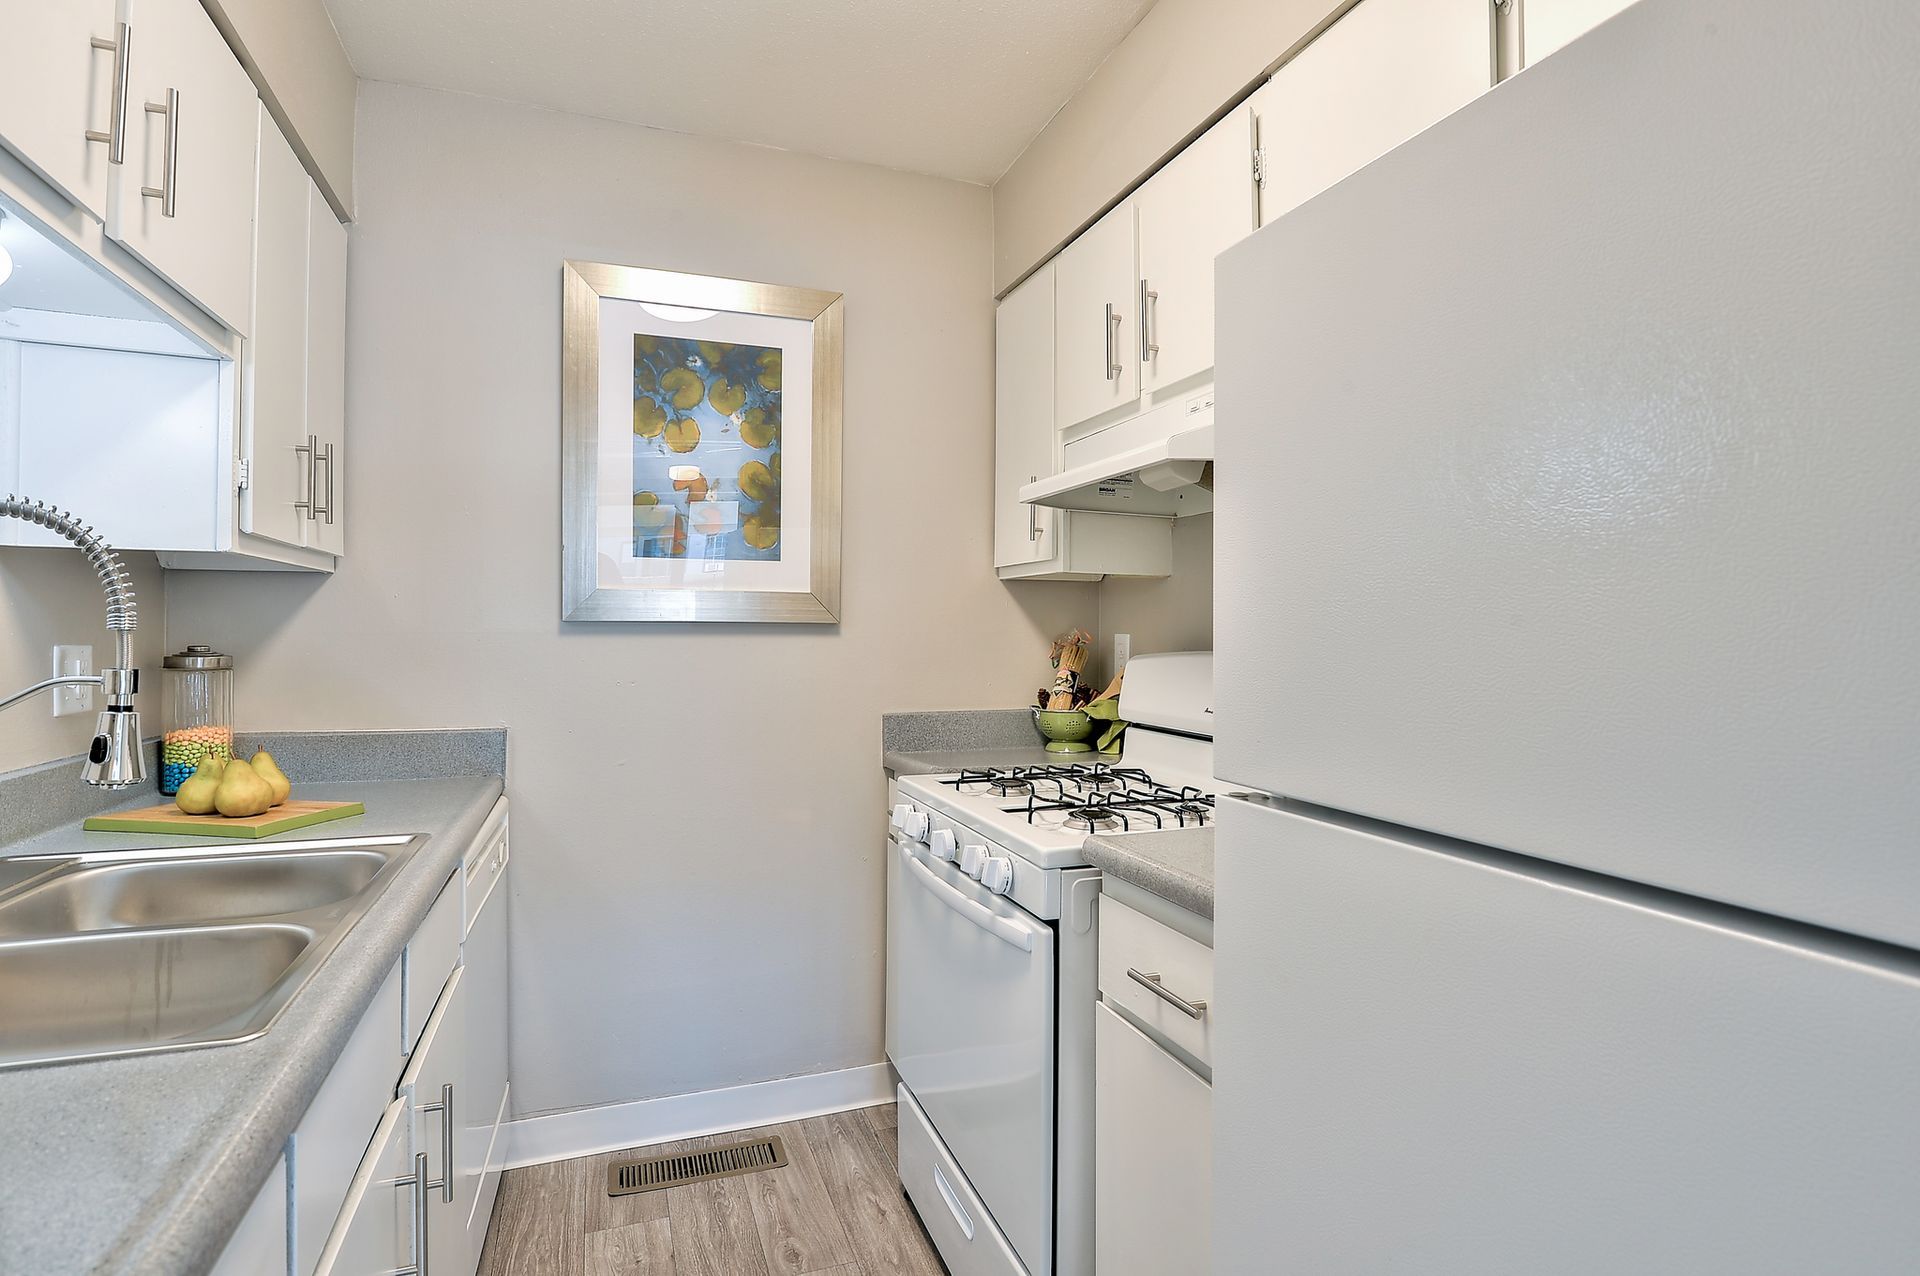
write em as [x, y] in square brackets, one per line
[584, 284]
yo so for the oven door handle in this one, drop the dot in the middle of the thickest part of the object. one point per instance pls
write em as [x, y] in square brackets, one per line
[979, 914]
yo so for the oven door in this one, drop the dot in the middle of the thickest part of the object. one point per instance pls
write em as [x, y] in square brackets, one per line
[970, 993]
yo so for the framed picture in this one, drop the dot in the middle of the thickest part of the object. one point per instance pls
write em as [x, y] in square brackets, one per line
[700, 476]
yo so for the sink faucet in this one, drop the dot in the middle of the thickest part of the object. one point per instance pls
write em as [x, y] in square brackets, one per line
[115, 760]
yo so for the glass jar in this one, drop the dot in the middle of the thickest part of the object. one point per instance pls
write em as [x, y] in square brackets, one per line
[196, 701]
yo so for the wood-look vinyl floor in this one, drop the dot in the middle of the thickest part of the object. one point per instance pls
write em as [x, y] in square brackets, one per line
[835, 1209]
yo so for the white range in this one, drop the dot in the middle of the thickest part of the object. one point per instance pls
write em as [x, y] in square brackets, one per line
[992, 973]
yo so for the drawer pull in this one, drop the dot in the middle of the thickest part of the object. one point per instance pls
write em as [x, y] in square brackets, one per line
[1151, 982]
[947, 1194]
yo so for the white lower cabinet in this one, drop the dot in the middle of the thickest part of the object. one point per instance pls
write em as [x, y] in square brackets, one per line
[396, 1163]
[1153, 1156]
[435, 1086]
[259, 1244]
[377, 1231]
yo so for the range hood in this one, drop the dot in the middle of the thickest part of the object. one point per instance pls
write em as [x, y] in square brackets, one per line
[1168, 475]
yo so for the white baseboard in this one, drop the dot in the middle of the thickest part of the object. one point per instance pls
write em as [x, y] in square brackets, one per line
[586, 1131]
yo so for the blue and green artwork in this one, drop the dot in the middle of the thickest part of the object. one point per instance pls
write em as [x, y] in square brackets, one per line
[706, 449]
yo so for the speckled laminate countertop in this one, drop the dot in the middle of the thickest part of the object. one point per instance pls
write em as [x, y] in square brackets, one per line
[941, 761]
[1176, 864]
[146, 1164]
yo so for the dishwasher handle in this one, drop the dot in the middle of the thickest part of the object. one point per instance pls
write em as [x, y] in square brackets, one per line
[1005, 928]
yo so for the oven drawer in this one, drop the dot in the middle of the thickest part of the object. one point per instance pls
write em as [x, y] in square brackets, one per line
[1133, 947]
[952, 1212]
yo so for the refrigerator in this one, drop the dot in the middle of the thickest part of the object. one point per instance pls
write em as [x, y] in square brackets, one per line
[1567, 572]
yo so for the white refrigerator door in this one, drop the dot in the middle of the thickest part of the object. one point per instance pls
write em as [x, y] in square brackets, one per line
[970, 991]
[1439, 1064]
[1567, 468]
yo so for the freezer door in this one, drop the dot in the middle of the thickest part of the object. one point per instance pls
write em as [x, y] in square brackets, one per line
[970, 988]
[1440, 1064]
[1567, 465]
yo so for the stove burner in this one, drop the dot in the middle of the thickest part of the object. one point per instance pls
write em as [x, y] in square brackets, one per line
[1100, 779]
[1093, 819]
[1010, 785]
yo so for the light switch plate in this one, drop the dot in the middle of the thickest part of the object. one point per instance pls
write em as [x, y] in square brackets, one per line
[1122, 648]
[67, 661]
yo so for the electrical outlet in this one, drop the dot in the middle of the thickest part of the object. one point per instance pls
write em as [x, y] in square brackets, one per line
[1122, 648]
[68, 661]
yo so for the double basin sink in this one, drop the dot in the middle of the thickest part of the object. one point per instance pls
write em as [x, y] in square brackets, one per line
[124, 952]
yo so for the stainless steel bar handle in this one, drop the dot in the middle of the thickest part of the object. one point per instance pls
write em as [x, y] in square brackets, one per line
[445, 1108]
[1151, 982]
[418, 1182]
[1149, 304]
[327, 456]
[1033, 514]
[168, 192]
[306, 503]
[1113, 335]
[116, 135]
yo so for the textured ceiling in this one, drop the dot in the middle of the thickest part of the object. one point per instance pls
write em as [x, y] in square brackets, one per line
[951, 87]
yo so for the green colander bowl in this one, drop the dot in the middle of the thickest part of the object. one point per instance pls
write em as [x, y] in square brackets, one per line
[1066, 729]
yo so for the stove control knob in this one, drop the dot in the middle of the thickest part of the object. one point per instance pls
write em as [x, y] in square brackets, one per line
[941, 844]
[913, 825]
[898, 816]
[996, 874]
[971, 858]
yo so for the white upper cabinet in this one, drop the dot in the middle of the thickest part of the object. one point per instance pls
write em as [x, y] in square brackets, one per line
[1025, 445]
[183, 200]
[274, 435]
[1546, 25]
[56, 89]
[1382, 73]
[1198, 206]
[326, 371]
[1096, 292]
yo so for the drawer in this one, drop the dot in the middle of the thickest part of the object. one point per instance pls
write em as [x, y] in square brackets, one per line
[955, 1217]
[485, 864]
[1130, 941]
[431, 955]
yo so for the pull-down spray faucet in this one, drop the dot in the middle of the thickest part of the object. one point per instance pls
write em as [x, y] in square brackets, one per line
[115, 760]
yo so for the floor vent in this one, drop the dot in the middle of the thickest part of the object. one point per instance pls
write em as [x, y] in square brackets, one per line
[650, 1174]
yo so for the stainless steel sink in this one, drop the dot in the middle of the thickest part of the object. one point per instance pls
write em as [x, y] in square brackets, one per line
[125, 952]
[179, 892]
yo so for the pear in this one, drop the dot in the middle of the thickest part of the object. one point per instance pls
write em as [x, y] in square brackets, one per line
[196, 791]
[270, 771]
[243, 791]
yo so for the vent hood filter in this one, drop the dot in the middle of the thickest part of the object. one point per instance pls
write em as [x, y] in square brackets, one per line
[1168, 477]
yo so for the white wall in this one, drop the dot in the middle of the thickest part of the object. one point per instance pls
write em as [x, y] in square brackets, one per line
[1171, 613]
[50, 596]
[698, 872]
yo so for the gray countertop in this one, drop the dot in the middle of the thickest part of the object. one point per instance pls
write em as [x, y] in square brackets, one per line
[146, 1164]
[1176, 865]
[940, 761]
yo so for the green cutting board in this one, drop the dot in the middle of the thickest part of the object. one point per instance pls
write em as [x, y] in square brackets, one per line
[169, 818]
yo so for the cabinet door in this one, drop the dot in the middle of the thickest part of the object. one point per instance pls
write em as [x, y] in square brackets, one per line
[55, 88]
[483, 967]
[1546, 25]
[1094, 322]
[375, 1233]
[1153, 1149]
[1188, 213]
[1379, 75]
[1025, 445]
[274, 436]
[327, 368]
[436, 1081]
[196, 228]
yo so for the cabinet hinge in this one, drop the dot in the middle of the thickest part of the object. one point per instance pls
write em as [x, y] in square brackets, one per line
[243, 478]
[1260, 167]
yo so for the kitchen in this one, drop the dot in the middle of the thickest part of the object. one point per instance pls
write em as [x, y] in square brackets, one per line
[1569, 924]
